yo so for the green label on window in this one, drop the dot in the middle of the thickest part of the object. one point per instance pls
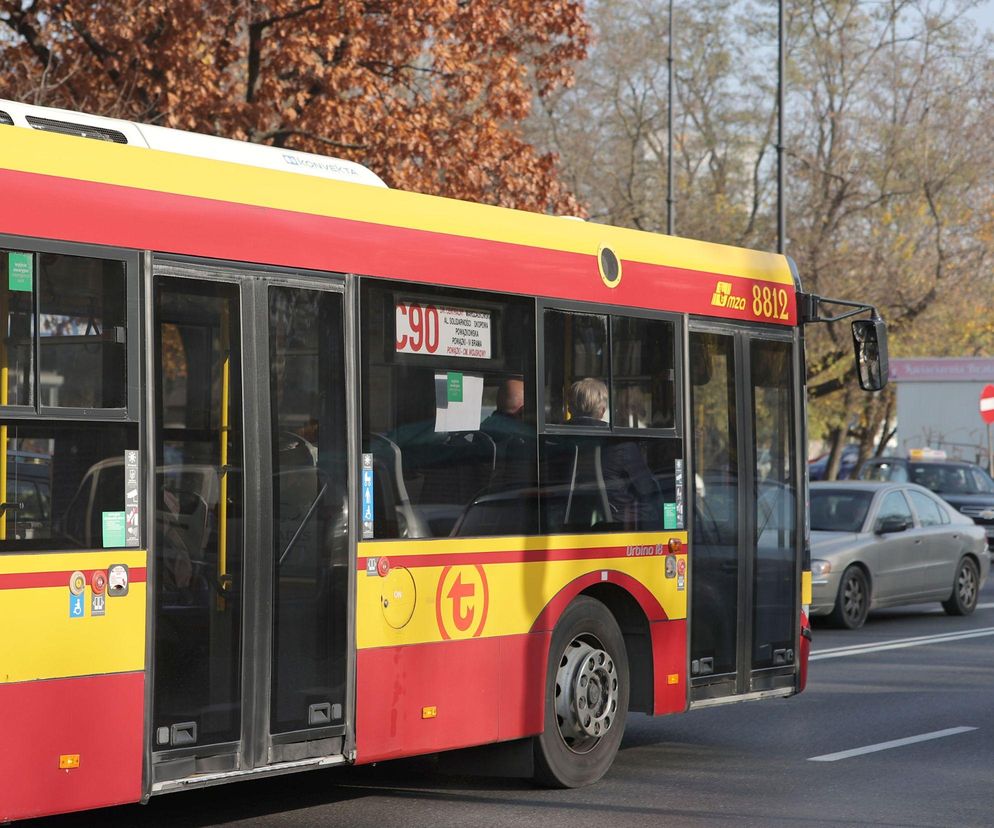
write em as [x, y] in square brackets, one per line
[20, 271]
[455, 386]
[113, 525]
[669, 516]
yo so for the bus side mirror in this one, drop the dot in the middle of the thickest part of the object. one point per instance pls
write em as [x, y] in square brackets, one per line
[869, 338]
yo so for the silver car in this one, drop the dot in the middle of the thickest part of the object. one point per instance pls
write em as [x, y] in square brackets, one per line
[878, 545]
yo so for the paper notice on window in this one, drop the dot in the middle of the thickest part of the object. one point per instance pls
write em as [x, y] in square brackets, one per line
[462, 414]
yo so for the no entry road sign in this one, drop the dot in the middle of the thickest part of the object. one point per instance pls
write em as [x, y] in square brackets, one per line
[987, 404]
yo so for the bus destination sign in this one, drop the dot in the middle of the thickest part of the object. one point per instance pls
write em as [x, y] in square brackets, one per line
[438, 330]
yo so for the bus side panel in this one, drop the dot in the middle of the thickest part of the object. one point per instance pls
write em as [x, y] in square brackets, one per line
[669, 660]
[92, 723]
[423, 698]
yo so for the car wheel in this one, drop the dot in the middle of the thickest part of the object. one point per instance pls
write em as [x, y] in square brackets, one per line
[966, 589]
[586, 697]
[853, 601]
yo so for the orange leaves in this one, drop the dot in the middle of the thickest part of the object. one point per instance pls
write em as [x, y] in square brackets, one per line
[428, 93]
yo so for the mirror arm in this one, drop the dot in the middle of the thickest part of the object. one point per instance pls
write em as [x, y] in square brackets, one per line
[810, 306]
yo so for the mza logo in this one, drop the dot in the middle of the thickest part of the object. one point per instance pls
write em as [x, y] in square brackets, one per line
[723, 298]
[461, 601]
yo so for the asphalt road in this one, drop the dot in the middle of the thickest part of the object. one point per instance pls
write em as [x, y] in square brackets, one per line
[744, 764]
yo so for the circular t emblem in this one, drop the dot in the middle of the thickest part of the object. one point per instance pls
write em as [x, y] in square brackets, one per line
[461, 601]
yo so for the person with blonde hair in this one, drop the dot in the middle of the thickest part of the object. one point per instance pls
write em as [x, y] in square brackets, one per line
[588, 399]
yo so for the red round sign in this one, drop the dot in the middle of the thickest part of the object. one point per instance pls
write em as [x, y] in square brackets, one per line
[987, 404]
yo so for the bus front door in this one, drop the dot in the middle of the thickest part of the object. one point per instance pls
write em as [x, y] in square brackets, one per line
[251, 576]
[745, 535]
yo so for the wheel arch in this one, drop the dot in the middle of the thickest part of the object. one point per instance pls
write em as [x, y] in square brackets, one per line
[638, 642]
[633, 607]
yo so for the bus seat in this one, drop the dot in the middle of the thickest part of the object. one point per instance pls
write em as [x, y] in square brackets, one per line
[588, 503]
[391, 501]
[460, 466]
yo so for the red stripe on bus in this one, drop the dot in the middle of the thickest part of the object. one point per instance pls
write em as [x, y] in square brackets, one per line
[93, 725]
[110, 214]
[509, 557]
[39, 580]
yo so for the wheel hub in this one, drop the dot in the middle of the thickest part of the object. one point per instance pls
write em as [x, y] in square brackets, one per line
[586, 694]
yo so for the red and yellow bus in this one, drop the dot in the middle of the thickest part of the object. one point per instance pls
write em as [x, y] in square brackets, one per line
[301, 471]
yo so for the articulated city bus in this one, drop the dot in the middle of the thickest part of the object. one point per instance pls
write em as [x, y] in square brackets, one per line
[301, 471]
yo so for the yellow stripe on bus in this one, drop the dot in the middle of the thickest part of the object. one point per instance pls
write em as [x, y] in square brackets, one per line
[129, 166]
[41, 640]
[806, 587]
[516, 594]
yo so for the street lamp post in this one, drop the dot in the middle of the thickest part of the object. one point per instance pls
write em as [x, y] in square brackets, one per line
[781, 64]
[670, 214]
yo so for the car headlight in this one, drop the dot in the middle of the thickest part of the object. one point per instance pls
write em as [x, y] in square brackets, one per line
[819, 569]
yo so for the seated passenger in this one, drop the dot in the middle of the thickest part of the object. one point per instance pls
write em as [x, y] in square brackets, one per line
[588, 400]
[632, 492]
[508, 420]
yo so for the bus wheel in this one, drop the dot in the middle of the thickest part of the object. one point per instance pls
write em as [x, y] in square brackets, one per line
[586, 697]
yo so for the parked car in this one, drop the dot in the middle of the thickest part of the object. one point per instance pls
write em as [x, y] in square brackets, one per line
[879, 545]
[965, 486]
[818, 468]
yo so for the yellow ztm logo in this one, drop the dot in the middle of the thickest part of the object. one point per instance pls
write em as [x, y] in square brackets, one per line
[722, 297]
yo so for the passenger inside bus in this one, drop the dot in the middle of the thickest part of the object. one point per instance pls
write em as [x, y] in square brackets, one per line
[630, 490]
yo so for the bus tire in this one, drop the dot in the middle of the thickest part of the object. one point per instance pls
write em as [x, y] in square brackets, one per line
[966, 589]
[586, 697]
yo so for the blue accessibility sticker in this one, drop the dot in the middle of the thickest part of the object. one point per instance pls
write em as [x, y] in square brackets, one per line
[76, 609]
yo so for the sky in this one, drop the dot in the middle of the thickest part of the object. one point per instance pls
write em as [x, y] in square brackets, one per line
[984, 15]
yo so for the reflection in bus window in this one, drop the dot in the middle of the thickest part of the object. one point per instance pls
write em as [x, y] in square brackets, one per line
[449, 412]
[576, 350]
[642, 373]
[606, 483]
[771, 370]
[310, 497]
[17, 316]
[82, 327]
[61, 480]
[199, 519]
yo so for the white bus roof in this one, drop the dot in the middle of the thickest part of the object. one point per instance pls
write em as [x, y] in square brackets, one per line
[184, 143]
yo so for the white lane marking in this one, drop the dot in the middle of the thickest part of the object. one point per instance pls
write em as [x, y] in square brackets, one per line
[910, 740]
[988, 605]
[898, 644]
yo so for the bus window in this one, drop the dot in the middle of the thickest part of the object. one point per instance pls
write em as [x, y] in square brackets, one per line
[642, 373]
[576, 349]
[80, 327]
[17, 313]
[449, 411]
[606, 483]
[62, 478]
[594, 476]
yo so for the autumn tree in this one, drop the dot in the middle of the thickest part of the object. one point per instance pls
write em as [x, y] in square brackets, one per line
[429, 94]
[890, 153]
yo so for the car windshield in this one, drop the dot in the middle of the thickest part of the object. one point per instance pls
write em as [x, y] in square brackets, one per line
[948, 478]
[839, 510]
